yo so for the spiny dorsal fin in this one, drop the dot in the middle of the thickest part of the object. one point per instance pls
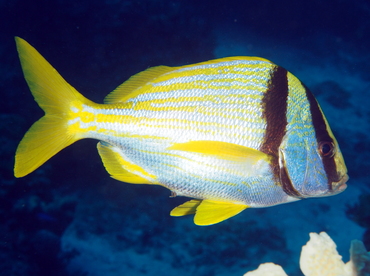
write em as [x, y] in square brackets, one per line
[130, 88]
[127, 89]
[226, 59]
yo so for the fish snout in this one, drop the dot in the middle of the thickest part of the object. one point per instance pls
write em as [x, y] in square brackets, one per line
[341, 185]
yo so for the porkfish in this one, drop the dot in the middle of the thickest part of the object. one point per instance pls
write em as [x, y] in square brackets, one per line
[231, 133]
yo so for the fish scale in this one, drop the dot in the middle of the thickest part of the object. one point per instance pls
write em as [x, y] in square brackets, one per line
[232, 133]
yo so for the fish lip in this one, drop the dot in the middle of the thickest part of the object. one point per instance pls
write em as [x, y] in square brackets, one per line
[341, 185]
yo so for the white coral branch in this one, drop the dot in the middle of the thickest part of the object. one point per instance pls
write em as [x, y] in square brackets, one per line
[319, 257]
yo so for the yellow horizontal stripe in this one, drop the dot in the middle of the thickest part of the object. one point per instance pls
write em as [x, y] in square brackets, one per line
[200, 100]
[210, 86]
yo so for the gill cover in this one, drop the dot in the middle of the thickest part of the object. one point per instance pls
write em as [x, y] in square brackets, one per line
[311, 163]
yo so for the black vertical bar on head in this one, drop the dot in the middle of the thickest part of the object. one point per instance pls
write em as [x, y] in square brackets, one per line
[322, 135]
[274, 111]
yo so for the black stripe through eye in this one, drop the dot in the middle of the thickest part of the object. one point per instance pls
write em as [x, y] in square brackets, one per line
[323, 139]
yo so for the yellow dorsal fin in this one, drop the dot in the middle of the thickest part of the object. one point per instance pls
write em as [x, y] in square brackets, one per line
[212, 212]
[119, 168]
[130, 88]
[188, 208]
[223, 150]
[127, 89]
[226, 59]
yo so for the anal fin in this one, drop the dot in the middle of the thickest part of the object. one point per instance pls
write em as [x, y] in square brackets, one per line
[119, 168]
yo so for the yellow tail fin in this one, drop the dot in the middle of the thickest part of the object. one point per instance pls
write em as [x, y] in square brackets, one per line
[55, 96]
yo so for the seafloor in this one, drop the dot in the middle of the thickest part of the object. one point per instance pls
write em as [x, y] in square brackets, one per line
[70, 218]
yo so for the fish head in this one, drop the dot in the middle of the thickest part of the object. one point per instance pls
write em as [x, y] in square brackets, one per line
[312, 164]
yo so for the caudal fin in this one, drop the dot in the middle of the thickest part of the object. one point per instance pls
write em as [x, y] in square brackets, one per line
[55, 96]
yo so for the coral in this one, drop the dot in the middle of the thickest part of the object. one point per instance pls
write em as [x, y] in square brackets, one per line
[319, 257]
[267, 269]
[360, 258]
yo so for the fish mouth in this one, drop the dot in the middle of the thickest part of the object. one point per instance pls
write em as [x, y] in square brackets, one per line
[341, 185]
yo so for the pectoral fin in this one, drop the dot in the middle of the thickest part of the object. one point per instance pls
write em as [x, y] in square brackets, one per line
[121, 169]
[222, 150]
[208, 212]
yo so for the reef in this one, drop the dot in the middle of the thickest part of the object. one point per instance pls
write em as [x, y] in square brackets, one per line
[319, 257]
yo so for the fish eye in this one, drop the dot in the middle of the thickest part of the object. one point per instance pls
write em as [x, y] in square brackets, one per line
[326, 149]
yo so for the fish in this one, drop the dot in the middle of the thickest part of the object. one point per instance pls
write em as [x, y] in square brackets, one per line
[230, 133]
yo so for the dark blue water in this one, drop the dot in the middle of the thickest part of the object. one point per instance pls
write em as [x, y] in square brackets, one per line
[70, 218]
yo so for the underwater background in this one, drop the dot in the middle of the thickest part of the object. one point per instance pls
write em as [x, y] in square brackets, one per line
[70, 218]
